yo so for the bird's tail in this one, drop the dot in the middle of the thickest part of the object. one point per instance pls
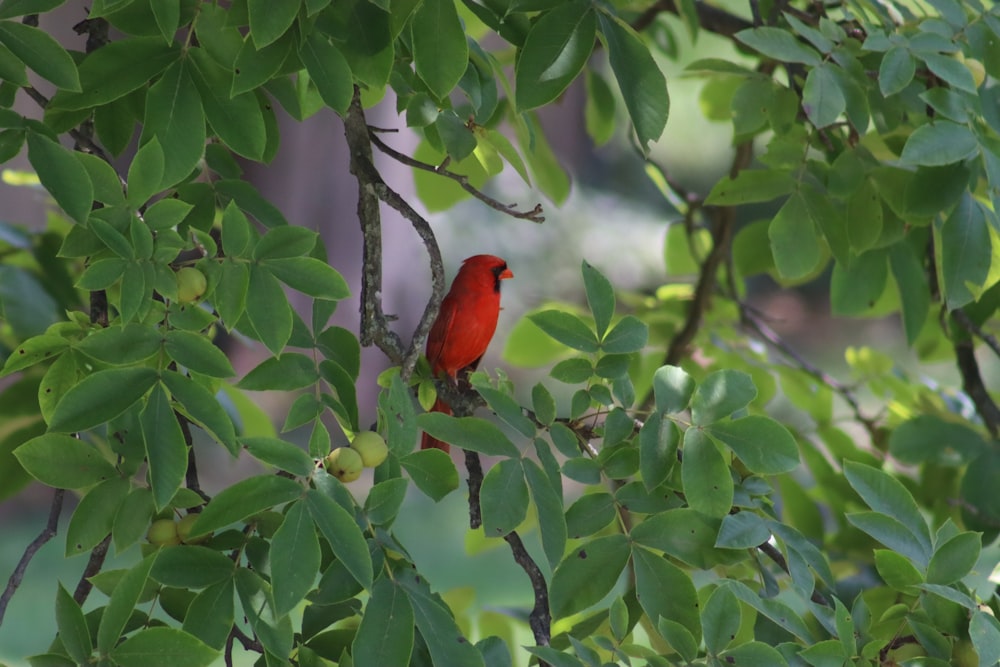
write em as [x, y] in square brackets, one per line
[428, 442]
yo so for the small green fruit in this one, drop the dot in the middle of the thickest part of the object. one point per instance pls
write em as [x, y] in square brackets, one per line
[371, 447]
[184, 530]
[163, 532]
[191, 284]
[344, 463]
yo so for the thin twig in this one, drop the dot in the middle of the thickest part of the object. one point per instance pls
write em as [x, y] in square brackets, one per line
[974, 387]
[48, 532]
[97, 556]
[764, 332]
[534, 215]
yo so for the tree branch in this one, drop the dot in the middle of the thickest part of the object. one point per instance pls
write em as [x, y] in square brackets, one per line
[535, 214]
[710, 18]
[371, 189]
[48, 532]
[97, 556]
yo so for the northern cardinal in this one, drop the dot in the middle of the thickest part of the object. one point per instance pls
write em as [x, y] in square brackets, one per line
[465, 324]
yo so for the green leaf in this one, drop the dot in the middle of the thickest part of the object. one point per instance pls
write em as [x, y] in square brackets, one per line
[270, 19]
[122, 603]
[243, 499]
[600, 297]
[72, 626]
[168, 17]
[285, 241]
[548, 503]
[166, 449]
[210, 615]
[133, 518]
[682, 533]
[256, 67]
[470, 433]
[822, 98]
[708, 485]
[62, 175]
[628, 335]
[897, 570]
[955, 558]
[543, 403]
[950, 70]
[658, 442]
[201, 406]
[673, 389]
[751, 186]
[764, 445]
[779, 44]
[720, 395]
[679, 638]
[432, 471]
[642, 84]
[743, 530]
[13, 8]
[102, 274]
[443, 638]
[80, 465]
[328, 70]
[587, 574]
[794, 242]
[280, 454]
[100, 397]
[385, 634]
[930, 439]
[503, 498]
[914, 291]
[310, 276]
[345, 538]
[116, 69]
[896, 71]
[887, 495]
[720, 619]
[964, 246]
[197, 353]
[777, 611]
[985, 634]
[555, 50]
[892, 533]
[666, 590]
[566, 328]
[174, 115]
[589, 514]
[238, 121]
[121, 345]
[274, 632]
[285, 373]
[94, 517]
[145, 173]
[939, 143]
[295, 558]
[163, 647]
[440, 50]
[39, 51]
[269, 312]
[384, 501]
[754, 654]
[191, 566]
[363, 34]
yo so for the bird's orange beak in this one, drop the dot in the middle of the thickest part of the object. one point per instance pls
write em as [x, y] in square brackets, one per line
[507, 273]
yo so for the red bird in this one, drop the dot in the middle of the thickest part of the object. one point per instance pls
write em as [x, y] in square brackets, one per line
[465, 324]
